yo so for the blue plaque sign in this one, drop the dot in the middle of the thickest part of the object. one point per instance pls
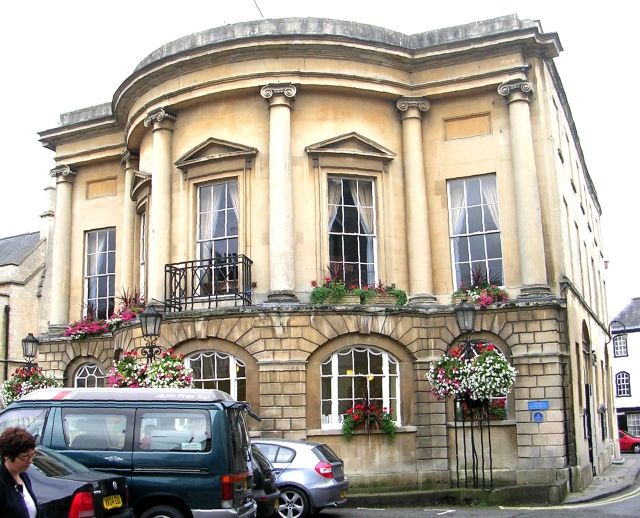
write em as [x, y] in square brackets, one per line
[538, 405]
[538, 417]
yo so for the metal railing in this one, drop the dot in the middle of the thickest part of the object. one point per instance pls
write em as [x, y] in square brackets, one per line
[474, 455]
[208, 283]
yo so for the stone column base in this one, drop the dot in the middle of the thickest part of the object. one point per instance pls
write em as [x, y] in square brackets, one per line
[422, 298]
[282, 296]
[535, 291]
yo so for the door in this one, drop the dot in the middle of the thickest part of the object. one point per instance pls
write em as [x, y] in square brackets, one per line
[588, 427]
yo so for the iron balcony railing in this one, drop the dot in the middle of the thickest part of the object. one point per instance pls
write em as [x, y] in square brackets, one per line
[208, 283]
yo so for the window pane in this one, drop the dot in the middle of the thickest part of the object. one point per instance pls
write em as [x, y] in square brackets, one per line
[345, 364]
[345, 390]
[223, 367]
[475, 219]
[366, 220]
[461, 249]
[456, 192]
[219, 220]
[476, 245]
[348, 186]
[490, 222]
[494, 248]
[232, 223]
[326, 388]
[375, 388]
[335, 246]
[351, 249]
[360, 363]
[205, 230]
[459, 221]
[351, 220]
[473, 192]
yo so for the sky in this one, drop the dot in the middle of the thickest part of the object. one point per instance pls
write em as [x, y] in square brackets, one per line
[65, 55]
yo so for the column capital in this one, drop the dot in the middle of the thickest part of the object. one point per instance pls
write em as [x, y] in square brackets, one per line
[129, 160]
[516, 90]
[158, 115]
[63, 173]
[279, 94]
[406, 103]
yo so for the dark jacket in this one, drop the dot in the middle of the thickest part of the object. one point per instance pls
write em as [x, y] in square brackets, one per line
[11, 501]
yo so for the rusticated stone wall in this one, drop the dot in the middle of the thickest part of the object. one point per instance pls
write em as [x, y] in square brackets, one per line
[283, 346]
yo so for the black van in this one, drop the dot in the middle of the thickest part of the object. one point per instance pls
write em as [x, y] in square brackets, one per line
[185, 452]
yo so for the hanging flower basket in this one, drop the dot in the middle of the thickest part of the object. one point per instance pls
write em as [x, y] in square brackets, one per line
[24, 380]
[486, 374]
[168, 371]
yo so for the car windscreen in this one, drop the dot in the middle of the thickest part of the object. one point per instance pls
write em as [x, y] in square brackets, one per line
[323, 452]
[53, 464]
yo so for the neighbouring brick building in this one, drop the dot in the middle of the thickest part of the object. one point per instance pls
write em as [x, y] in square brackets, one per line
[233, 166]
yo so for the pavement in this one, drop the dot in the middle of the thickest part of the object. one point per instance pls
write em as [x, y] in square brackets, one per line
[616, 478]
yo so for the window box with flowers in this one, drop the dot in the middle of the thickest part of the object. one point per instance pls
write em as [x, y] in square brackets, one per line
[367, 417]
[335, 291]
[482, 291]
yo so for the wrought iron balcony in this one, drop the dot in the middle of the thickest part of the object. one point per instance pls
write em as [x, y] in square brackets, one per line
[208, 283]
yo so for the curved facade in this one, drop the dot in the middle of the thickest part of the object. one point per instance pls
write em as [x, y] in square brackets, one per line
[234, 167]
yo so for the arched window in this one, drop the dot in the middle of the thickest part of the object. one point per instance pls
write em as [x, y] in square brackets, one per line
[620, 346]
[350, 375]
[89, 375]
[623, 384]
[222, 371]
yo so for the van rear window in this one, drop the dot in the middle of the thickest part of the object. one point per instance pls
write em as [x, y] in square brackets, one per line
[174, 430]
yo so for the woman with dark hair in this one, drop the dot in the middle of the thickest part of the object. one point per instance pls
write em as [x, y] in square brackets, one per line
[17, 500]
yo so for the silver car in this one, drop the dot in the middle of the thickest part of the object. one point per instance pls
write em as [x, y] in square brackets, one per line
[310, 476]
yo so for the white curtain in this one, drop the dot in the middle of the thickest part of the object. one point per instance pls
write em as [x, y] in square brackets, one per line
[233, 194]
[490, 195]
[334, 195]
[102, 254]
[457, 213]
[362, 193]
[208, 218]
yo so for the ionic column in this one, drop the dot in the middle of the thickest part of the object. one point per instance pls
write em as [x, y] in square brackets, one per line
[61, 253]
[159, 255]
[281, 243]
[527, 198]
[415, 189]
[128, 233]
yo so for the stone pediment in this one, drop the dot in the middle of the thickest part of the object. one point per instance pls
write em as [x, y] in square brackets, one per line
[214, 150]
[141, 181]
[352, 145]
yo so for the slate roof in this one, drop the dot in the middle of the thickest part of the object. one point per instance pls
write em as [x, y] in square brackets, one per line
[15, 249]
[629, 316]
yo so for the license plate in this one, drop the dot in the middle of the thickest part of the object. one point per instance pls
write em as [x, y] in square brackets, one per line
[111, 502]
[343, 494]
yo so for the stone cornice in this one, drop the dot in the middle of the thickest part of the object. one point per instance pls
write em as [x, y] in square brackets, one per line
[63, 173]
[158, 115]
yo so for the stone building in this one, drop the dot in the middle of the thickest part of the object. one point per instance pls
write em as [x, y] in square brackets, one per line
[233, 167]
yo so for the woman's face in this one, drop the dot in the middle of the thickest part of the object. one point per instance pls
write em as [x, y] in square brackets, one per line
[21, 463]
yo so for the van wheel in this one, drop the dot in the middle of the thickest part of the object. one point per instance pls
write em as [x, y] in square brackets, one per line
[162, 511]
[293, 503]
